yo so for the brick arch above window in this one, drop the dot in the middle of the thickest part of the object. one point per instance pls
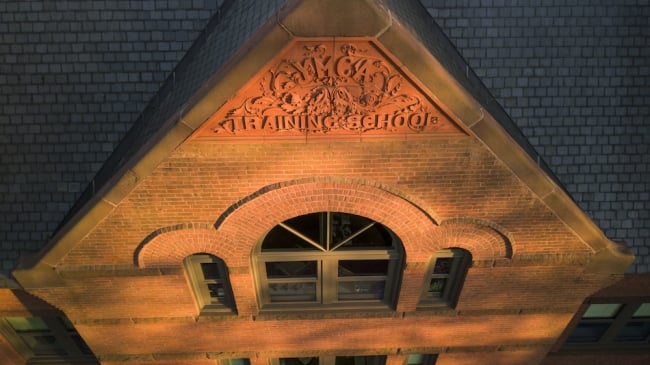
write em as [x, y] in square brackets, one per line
[169, 246]
[252, 217]
[241, 227]
[483, 239]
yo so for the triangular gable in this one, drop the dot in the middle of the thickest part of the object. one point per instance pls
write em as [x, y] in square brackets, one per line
[271, 77]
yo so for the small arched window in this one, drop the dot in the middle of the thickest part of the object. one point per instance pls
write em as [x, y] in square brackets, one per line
[444, 278]
[208, 276]
[328, 259]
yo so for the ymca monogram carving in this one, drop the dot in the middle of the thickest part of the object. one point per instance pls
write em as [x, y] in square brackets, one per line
[329, 88]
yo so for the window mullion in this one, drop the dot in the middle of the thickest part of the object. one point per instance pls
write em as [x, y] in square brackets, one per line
[617, 323]
[327, 231]
[329, 279]
[327, 360]
[302, 236]
[354, 235]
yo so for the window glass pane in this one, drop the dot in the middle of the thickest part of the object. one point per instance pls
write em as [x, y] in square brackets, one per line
[210, 270]
[342, 227]
[281, 239]
[642, 311]
[443, 265]
[217, 291]
[346, 225]
[292, 292]
[588, 332]
[419, 359]
[299, 361]
[374, 237]
[363, 268]
[43, 344]
[27, 323]
[238, 361]
[602, 310]
[293, 269]
[634, 331]
[414, 359]
[360, 360]
[361, 290]
[310, 225]
[437, 286]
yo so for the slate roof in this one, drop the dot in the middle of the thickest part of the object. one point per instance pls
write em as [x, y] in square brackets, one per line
[574, 75]
[75, 75]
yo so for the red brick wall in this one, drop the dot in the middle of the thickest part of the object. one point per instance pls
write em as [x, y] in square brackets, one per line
[446, 178]
[348, 334]
[126, 290]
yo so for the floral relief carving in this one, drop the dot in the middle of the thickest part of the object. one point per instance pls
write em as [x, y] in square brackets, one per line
[324, 88]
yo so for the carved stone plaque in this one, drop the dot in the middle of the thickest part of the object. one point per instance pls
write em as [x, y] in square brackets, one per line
[327, 88]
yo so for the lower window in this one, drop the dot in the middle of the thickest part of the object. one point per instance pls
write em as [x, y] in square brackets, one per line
[612, 325]
[421, 359]
[331, 360]
[46, 340]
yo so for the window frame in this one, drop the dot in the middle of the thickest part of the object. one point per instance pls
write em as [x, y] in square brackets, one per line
[68, 340]
[331, 359]
[199, 284]
[461, 261]
[326, 285]
[427, 359]
[615, 323]
[235, 361]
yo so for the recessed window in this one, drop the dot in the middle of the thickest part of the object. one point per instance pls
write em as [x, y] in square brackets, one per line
[637, 327]
[605, 311]
[612, 325]
[328, 258]
[444, 277]
[331, 360]
[239, 361]
[46, 339]
[209, 278]
[421, 359]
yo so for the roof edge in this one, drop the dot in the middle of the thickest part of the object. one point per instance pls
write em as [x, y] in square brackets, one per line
[480, 114]
[99, 201]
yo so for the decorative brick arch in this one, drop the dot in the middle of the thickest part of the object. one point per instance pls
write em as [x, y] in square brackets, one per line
[240, 228]
[168, 246]
[484, 240]
[251, 218]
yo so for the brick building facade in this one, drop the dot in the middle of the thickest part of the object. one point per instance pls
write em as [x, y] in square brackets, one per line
[325, 181]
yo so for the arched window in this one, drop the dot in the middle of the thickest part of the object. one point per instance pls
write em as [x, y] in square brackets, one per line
[444, 278]
[328, 259]
[209, 279]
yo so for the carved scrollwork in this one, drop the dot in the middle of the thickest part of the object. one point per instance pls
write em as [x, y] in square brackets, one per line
[321, 88]
[317, 84]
